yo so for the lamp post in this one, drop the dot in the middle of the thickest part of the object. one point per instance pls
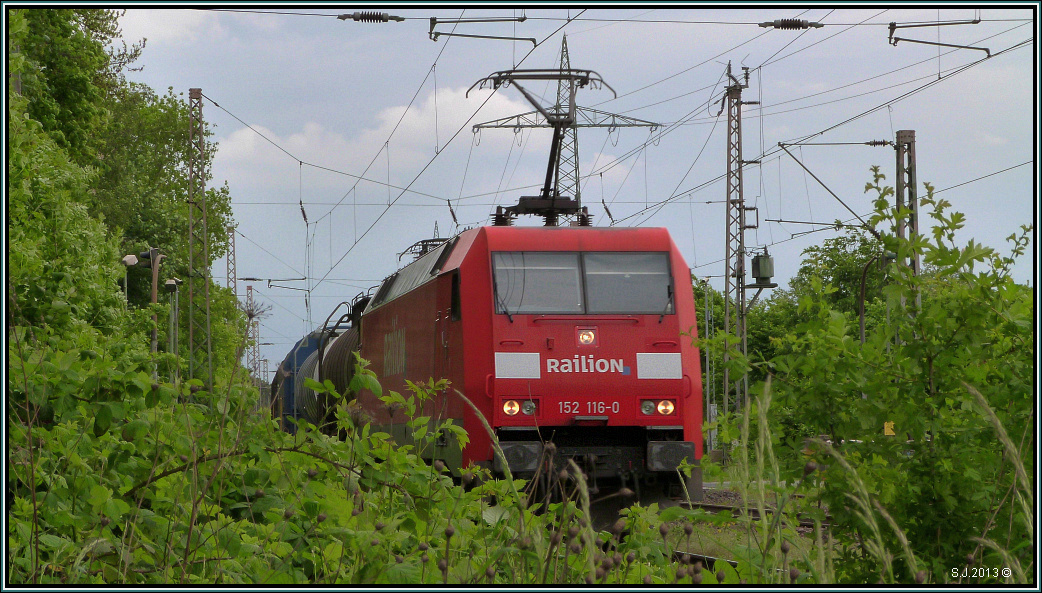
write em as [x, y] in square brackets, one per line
[151, 259]
[171, 286]
[887, 257]
[128, 260]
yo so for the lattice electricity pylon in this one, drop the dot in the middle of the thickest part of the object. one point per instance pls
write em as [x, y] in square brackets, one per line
[565, 118]
[232, 284]
[200, 356]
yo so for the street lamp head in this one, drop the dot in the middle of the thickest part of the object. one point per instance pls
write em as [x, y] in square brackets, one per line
[172, 284]
[130, 260]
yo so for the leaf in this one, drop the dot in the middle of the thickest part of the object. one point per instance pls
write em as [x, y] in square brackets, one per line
[53, 541]
[152, 398]
[494, 514]
[102, 420]
[115, 508]
[98, 496]
[315, 385]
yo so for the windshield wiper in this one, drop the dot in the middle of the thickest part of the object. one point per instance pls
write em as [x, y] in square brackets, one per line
[669, 301]
[499, 301]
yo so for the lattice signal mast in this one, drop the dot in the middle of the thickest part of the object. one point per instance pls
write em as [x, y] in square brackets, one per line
[200, 360]
[734, 276]
[253, 352]
[232, 284]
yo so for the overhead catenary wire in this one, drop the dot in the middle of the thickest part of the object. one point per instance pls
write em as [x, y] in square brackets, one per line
[262, 248]
[1027, 162]
[303, 162]
[431, 161]
[697, 157]
[258, 293]
[459, 197]
[742, 23]
[634, 151]
[848, 120]
[758, 110]
[771, 59]
[797, 38]
[780, 241]
[761, 110]
[588, 19]
[916, 90]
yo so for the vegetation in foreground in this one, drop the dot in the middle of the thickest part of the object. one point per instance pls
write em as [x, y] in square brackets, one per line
[115, 477]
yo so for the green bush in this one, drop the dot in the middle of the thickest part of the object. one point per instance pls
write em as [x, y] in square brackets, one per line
[948, 364]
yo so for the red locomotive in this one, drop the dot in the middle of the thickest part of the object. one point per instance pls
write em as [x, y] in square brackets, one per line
[576, 336]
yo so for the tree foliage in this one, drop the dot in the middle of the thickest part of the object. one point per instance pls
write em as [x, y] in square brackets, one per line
[966, 325]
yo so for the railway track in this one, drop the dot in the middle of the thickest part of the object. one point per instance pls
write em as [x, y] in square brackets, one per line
[737, 511]
[708, 562]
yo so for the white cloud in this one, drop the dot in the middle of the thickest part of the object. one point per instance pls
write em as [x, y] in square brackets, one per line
[416, 134]
[991, 140]
[162, 26]
[249, 160]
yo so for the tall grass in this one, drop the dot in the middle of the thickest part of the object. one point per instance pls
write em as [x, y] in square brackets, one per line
[769, 556]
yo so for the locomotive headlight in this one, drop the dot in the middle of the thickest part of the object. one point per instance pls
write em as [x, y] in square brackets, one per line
[647, 407]
[528, 407]
[511, 408]
[665, 407]
[587, 337]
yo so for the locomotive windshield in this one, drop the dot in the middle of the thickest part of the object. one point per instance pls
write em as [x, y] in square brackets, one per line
[537, 282]
[591, 282]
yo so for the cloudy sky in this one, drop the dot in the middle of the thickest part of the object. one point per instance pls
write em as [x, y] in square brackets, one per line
[369, 126]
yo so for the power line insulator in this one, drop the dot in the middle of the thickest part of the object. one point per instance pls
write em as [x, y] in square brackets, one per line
[791, 24]
[370, 17]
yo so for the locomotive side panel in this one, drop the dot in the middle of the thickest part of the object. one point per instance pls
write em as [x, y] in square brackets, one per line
[470, 258]
[433, 331]
[692, 360]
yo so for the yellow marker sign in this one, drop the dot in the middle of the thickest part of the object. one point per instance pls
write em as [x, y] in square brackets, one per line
[888, 428]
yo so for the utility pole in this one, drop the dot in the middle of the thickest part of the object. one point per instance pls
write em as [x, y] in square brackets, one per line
[264, 371]
[200, 359]
[734, 276]
[709, 389]
[253, 353]
[906, 199]
[172, 287]
[905, 190]
[231, 264]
